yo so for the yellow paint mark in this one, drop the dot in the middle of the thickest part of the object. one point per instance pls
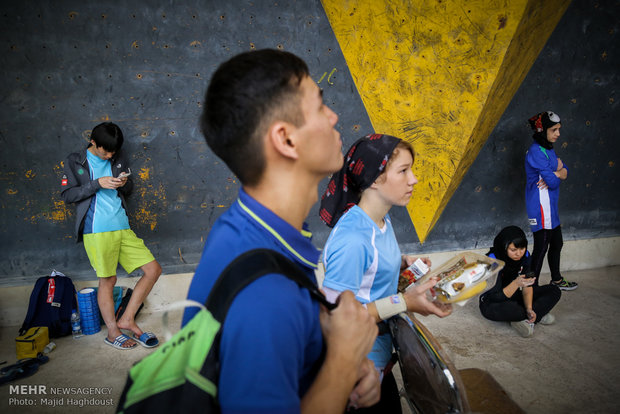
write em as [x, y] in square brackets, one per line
[135, 44]
[148, 217]
[53, 210]
[144, 173]
[8, 175]
[152, 200]
[330, 76]
[611, 163]
[30, 174]
[195, 43]
[59, 212]
[440, 75]
[11, 191]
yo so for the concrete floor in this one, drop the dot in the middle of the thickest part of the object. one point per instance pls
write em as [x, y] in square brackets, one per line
[570, 367]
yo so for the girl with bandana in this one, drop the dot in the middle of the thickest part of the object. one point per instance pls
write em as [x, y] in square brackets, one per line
[515, 298]
[544, 173]
[361, 253]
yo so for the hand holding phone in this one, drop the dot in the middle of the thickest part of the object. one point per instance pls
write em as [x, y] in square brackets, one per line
[124, 174]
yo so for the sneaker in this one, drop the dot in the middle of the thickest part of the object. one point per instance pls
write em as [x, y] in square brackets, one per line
[524, 328]
[564, 284]
[548, 319]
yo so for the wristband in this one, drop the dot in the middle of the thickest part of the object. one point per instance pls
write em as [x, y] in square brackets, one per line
[390, 306]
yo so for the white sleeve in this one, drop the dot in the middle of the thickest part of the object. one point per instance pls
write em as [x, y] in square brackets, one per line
[332, 295]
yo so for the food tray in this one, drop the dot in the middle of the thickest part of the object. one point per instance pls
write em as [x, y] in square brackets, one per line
[464, 276]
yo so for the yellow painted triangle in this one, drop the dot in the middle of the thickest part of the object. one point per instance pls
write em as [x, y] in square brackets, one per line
[440, 74]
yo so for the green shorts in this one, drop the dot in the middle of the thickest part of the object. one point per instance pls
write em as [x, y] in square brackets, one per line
[106, 250]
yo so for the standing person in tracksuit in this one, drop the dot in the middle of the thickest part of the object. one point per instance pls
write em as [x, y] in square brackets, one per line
[544, 173]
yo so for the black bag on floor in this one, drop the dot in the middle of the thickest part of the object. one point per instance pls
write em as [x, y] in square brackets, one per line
[51, 302]
[120, 310]
[182, 375]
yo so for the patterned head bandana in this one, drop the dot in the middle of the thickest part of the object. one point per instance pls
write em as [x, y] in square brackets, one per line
[540, 123]
[364, 162]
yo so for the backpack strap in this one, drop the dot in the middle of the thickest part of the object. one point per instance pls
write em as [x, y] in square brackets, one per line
[248, 267]
[242, 271]
[57, 304]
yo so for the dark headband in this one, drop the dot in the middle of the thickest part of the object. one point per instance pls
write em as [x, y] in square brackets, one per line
[364, 162]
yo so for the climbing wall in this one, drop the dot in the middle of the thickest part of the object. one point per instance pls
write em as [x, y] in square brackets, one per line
[69, 65]
[440, 74]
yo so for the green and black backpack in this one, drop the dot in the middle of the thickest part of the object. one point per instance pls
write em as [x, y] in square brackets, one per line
[182, 374]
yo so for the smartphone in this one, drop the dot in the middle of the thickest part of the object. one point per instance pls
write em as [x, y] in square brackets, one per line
[124, 174]
[530, 275]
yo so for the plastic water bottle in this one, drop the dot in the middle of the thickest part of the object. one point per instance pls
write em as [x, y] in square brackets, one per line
[76, 328]
[49, 348]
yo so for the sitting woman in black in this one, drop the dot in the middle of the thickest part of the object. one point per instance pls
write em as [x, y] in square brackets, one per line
[515, 298]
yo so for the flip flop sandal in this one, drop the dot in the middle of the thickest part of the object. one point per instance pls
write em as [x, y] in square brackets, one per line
[119, 341]
[147, 340]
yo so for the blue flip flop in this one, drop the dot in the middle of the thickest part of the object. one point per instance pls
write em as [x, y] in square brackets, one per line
[119, 341]
[147, 340]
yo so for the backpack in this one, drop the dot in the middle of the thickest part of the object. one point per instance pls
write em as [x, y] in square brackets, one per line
[121, 301]
[183, 373]
[51, 302]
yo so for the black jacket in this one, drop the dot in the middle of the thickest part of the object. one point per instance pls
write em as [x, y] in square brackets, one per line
[77, 187]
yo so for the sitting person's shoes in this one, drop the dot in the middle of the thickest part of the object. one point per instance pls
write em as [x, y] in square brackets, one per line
[524, 328]
[548, 319]
[564, 284]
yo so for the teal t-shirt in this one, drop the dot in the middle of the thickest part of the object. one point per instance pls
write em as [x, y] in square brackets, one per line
[106, 212]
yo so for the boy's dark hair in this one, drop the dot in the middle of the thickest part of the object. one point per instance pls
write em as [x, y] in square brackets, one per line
[245, 95]
[108, 136]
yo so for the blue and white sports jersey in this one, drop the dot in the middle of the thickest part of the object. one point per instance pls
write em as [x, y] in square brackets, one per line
[542, 203]
[365, 259]
[106, 212]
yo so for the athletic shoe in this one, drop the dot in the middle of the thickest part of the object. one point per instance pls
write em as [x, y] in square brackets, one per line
[564, 284]
[548, 319]
[524, 328]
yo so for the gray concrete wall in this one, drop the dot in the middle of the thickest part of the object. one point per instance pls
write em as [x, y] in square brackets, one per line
[68, 65]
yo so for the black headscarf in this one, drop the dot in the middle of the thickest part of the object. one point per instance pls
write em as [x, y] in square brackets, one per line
[507, 235]
[540, 123]
[364, 162]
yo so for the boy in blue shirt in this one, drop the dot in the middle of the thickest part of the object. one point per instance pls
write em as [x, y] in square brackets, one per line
[279, 351]
[97, 180]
